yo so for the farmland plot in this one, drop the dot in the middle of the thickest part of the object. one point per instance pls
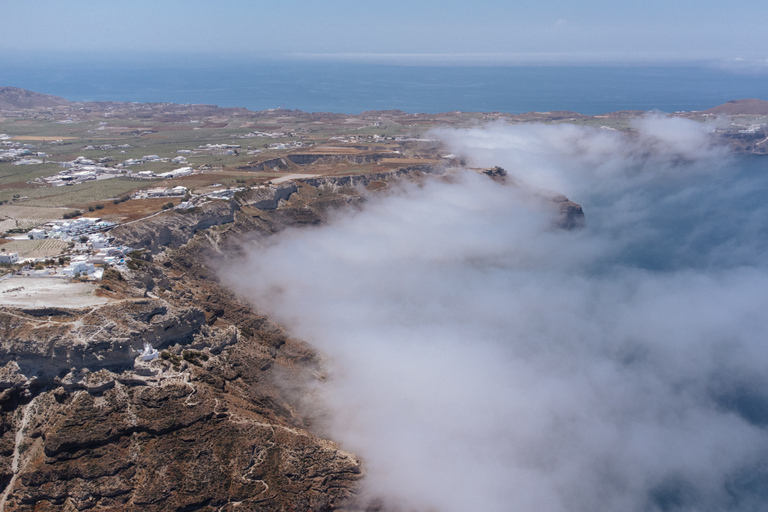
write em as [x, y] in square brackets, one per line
[36, 248]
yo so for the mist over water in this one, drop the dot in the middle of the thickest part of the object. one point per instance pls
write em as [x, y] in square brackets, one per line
[480, 359]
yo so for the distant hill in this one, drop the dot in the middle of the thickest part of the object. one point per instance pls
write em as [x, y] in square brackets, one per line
[747, 106]
[12, 98]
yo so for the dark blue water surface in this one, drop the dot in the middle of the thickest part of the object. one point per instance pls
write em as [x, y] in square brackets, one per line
[353, 88]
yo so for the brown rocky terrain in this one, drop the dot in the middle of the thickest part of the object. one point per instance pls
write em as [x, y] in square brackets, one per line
[213, 422]
[85, 426]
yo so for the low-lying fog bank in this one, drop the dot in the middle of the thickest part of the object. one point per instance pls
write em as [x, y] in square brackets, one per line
[479, 359]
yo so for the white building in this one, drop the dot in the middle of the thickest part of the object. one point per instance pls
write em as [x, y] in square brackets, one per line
[79, 267]
[98, 241]
[37, 234]
[9, 257]
[184, 171]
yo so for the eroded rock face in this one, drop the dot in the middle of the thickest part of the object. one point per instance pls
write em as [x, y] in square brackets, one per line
[104, 337]
[176, 446]
[87, 425]
[269, 198]
[173, 229]
[571, 214]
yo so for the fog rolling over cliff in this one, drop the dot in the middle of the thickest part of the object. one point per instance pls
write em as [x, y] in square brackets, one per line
[480, 359]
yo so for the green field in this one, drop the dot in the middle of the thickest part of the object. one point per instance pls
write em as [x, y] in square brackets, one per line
[10, 173]
[84, 193]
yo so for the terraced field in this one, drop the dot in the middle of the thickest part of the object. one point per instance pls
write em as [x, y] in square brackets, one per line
[36, 248]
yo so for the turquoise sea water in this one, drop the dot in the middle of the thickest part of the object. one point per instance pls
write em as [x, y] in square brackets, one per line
[353, 88]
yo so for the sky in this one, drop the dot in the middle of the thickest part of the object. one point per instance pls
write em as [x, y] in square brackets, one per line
[397, 31]
[477, 357]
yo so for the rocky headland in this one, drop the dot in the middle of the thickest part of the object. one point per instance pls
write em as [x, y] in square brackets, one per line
[209, 423]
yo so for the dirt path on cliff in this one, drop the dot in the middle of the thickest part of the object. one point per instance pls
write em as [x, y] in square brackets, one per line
[17, 454]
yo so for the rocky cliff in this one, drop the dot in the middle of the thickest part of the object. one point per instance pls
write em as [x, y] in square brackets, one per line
[212, 422]
[86, 425]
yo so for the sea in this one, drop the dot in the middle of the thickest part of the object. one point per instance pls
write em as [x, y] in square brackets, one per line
[352, 88]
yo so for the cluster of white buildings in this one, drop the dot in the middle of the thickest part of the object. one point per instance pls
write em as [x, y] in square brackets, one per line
[80, 170]
[215, 147]
[143, 160]
[176, 173]
[18, 153]
[95, 250]
[753, 128]
[69, 229]
[105, 147]
[105, 255]
[271, 135]
[160, 192]
[227, 193]
[286, 145]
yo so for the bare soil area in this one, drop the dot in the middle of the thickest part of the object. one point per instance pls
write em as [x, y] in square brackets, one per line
[36, 292]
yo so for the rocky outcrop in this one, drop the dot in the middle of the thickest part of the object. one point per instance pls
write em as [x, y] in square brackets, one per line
[210, 424]
[497, 173]
[85, 424]
[365, 179]
[268, 198]
[177, 446]
[311, 158]
[213, 422]
[174, 228]
[571, 214]
[267, 165]
[106, 337]
[315, 158]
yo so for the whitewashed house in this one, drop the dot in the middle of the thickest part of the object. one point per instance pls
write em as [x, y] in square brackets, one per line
[9, 257]
[79, 267]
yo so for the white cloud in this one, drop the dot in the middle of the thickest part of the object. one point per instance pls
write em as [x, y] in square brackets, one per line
[480, 360]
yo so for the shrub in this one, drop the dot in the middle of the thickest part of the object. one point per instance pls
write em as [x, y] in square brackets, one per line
[168, 206]
[112, 274]
[194, 357]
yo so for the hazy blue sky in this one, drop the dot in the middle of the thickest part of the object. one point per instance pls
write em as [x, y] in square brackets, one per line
[496, 30]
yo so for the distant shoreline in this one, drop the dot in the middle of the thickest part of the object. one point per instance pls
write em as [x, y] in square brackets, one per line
[352, 88]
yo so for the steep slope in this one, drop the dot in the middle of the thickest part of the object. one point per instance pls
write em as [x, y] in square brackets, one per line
[215, 422]
[13, 98]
